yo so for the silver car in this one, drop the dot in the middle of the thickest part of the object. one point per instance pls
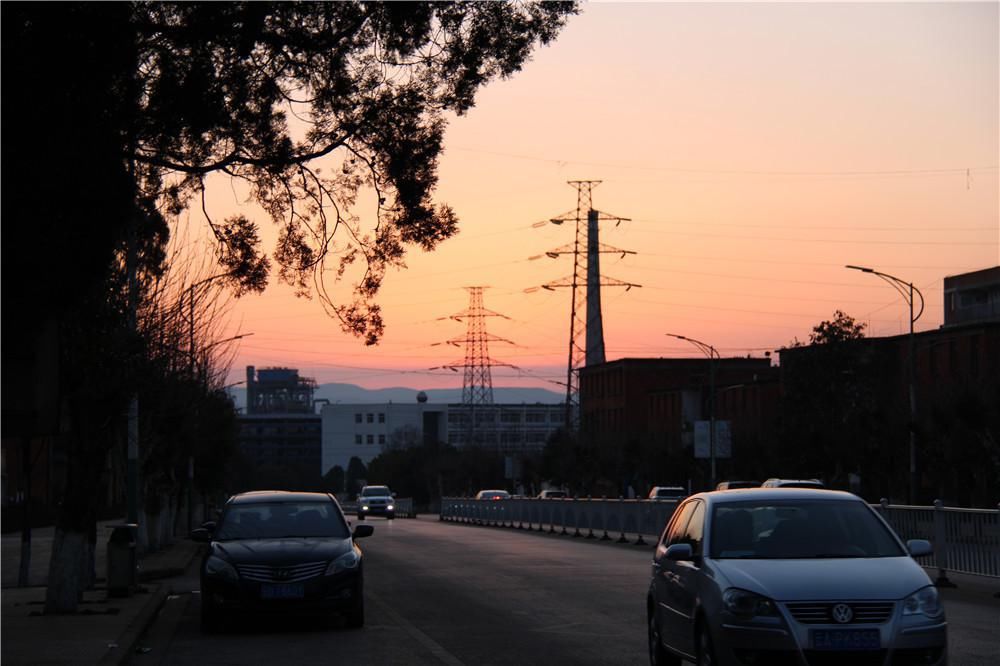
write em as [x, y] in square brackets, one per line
[790, 576]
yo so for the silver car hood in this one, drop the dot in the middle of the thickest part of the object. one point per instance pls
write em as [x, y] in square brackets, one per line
[826, 579]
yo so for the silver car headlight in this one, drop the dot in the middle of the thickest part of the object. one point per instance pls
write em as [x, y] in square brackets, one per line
[745, 604]
[364, 507]
[346, 562]
[925, 601]
[216, 567]
[389, 507]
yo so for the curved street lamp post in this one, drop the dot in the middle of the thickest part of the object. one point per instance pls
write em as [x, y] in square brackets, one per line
[713, 355]
[906, 290]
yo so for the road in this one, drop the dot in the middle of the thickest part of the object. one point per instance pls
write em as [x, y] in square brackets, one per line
[441, 593]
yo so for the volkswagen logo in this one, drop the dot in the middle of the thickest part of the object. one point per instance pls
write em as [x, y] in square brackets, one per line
[842, 613]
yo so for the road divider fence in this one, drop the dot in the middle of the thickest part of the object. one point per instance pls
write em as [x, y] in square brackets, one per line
[965, 540]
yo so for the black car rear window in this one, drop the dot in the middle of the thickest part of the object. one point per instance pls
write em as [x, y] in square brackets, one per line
[274, 520]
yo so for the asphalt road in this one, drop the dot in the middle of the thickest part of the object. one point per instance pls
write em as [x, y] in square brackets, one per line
[441, 593]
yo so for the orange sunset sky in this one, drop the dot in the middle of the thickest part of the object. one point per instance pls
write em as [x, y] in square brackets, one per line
[757, 149]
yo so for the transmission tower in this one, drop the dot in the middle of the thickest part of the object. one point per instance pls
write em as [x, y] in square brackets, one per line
[477, 382]
[585, 320]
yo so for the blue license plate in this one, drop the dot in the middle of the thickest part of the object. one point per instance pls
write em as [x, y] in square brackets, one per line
[282, 591]
[846, 639]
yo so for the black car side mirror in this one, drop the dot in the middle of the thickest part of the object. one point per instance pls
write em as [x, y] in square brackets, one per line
[679, 551]
[362, 531]
[209, 525]
[201, 535]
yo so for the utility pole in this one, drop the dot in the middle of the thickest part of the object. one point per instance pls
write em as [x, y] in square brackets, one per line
[477, 380]
[585, 318]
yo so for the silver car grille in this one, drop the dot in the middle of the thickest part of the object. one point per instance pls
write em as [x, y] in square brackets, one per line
[821, 612]
[281, 574]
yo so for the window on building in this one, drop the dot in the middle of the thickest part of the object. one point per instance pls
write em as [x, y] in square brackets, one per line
[381, 439]
[370, 418]
[534, 417]
[357, 418]
[381, 417]
[357, 439]
[371, 439]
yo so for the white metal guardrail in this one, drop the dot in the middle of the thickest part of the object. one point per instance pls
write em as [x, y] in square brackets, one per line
[964, 540]
[603, 518]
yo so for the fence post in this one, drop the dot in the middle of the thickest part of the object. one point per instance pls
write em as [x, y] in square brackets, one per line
[590, 517]
[640, 523]
[621, 510]
[604, 513]
[941, 545]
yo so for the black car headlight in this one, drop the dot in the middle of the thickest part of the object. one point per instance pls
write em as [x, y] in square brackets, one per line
[925, 601]
[745, 604]
[346, 562]
[216, 567]
[364, 507]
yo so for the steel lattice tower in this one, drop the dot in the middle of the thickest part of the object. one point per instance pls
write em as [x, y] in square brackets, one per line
[586, 321]
[477, 382]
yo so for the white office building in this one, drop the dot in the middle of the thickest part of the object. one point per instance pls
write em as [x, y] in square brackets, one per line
[365, 430]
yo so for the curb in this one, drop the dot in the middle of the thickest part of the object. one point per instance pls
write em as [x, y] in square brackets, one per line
[128, 641]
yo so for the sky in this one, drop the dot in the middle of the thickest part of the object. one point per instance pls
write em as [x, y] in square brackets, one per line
[755, 150]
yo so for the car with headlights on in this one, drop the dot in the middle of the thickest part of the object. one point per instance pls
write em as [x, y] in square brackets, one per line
[281, 552]
[376, 501]
[790, 576]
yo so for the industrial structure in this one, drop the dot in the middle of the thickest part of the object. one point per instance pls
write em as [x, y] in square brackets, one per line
[585, 320]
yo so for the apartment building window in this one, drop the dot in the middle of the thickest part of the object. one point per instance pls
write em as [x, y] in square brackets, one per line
[357, 439]
[357, 418]
[381, 439]
[381, 417]
[371, 439]
[370, 418]
[534, 417]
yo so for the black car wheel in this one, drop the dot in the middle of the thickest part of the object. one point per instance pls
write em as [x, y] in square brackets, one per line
[658, 655]
[706, 654]
[361, 516]
[211, 622]
[356, 614]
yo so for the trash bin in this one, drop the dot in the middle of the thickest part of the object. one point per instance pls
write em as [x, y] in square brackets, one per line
[121, 560]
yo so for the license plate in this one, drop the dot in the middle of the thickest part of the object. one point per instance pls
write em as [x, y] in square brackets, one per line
[282, 591]
[846, 639]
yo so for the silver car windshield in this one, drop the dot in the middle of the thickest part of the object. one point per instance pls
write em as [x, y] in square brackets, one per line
[799, 529]
[375, 491]
[276, 520]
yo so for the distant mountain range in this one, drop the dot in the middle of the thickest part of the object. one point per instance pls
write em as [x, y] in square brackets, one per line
[353, 394]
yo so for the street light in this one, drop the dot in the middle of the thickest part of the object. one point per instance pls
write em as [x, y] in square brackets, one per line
[713, 355]
[906, 290]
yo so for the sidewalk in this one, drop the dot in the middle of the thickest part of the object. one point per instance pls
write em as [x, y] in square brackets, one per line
[104, 630]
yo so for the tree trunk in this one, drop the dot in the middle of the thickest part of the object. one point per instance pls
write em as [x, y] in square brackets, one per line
[65, 571]
[24, 574]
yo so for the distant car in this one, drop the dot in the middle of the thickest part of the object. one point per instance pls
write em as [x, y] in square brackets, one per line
[280, 552]
[790, 576]
[376, 501]
[792, 483]
[492, 495]
[667, 493]
[734, 485]
[552, 494]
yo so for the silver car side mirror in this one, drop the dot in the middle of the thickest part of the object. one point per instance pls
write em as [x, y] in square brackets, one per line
[919, 547]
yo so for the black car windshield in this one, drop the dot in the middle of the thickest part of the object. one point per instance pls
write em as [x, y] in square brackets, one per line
[375, 491]
[274, 520]
[799, 529]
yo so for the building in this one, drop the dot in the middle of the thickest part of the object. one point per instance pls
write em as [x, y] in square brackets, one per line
[279, 391]
[972, 297]
[280, 430]
[365, 430]
[656, 401]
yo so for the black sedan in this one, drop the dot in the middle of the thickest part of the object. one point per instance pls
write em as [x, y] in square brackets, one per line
[280, 552]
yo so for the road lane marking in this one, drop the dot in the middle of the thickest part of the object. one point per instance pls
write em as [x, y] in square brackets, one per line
[436, 648]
